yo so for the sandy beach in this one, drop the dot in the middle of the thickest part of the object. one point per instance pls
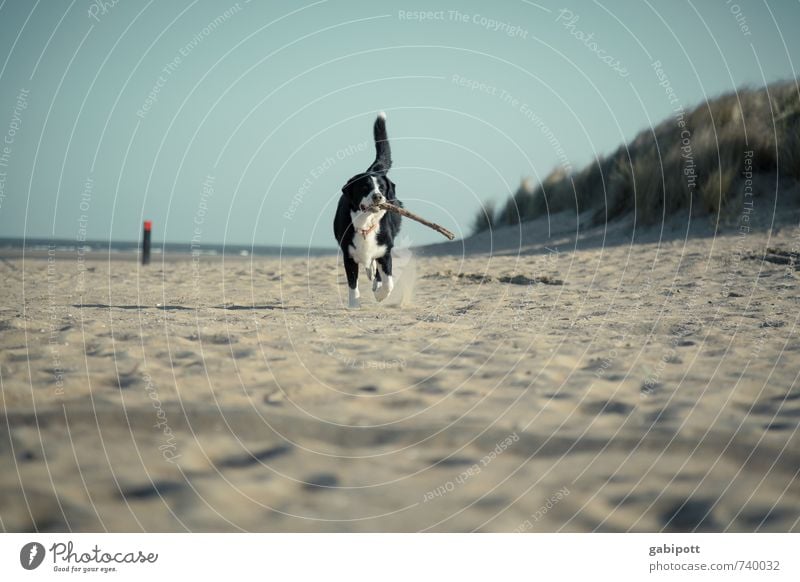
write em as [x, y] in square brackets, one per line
[542, 384]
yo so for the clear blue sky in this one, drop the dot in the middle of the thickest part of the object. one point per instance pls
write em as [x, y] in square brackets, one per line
[275, 101]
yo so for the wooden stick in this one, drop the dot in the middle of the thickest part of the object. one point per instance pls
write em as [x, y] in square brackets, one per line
[412, 216]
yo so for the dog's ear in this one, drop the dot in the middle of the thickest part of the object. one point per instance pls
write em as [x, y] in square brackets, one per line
[348, 186]
[390, 190]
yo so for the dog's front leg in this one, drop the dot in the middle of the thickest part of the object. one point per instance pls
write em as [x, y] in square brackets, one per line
[376, 280]
[351, 269]
[385, 274]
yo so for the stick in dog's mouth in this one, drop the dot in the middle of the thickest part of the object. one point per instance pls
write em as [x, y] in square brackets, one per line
[403, 212]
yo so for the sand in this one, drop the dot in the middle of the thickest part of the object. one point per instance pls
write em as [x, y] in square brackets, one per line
[542, 386]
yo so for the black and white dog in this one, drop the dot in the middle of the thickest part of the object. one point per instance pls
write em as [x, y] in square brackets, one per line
[364, 232]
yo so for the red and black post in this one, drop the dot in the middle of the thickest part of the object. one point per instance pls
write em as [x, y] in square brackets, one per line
[148, 227]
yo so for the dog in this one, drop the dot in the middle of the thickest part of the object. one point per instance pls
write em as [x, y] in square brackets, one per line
[364, 232]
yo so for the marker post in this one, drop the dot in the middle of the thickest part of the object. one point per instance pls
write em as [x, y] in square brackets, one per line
[148, 226]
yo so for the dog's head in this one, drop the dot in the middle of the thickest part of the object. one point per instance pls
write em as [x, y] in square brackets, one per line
[366, 190]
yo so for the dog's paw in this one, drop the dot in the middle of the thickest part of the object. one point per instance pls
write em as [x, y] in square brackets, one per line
[384, 290]
[353, 300]
[375, 285]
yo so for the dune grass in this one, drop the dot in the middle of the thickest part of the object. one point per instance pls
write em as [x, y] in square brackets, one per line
[484, 219]
[694, 160]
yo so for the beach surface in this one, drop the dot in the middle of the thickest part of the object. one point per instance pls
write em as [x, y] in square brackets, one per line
[557, 383]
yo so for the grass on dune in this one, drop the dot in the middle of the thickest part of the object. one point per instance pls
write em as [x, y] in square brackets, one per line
[694, 160]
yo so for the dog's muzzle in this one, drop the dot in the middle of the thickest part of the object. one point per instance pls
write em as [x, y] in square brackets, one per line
[376, 199]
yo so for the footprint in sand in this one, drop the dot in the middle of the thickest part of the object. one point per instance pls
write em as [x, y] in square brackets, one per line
[320, 482]
[607, 407]
[148, 490]
[452, 462]
[241, 461]
[690, 515]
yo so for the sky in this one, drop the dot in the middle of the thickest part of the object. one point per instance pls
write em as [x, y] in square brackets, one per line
[238, 123]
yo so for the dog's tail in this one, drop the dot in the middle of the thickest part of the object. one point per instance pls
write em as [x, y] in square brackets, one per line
[383, 154]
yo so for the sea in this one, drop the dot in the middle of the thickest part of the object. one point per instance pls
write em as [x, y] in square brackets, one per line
[43, 247]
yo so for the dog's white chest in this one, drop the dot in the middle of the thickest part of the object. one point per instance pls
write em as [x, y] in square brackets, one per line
[365, 248]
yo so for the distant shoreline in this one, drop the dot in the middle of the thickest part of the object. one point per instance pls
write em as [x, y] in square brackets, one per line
[41, 248]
